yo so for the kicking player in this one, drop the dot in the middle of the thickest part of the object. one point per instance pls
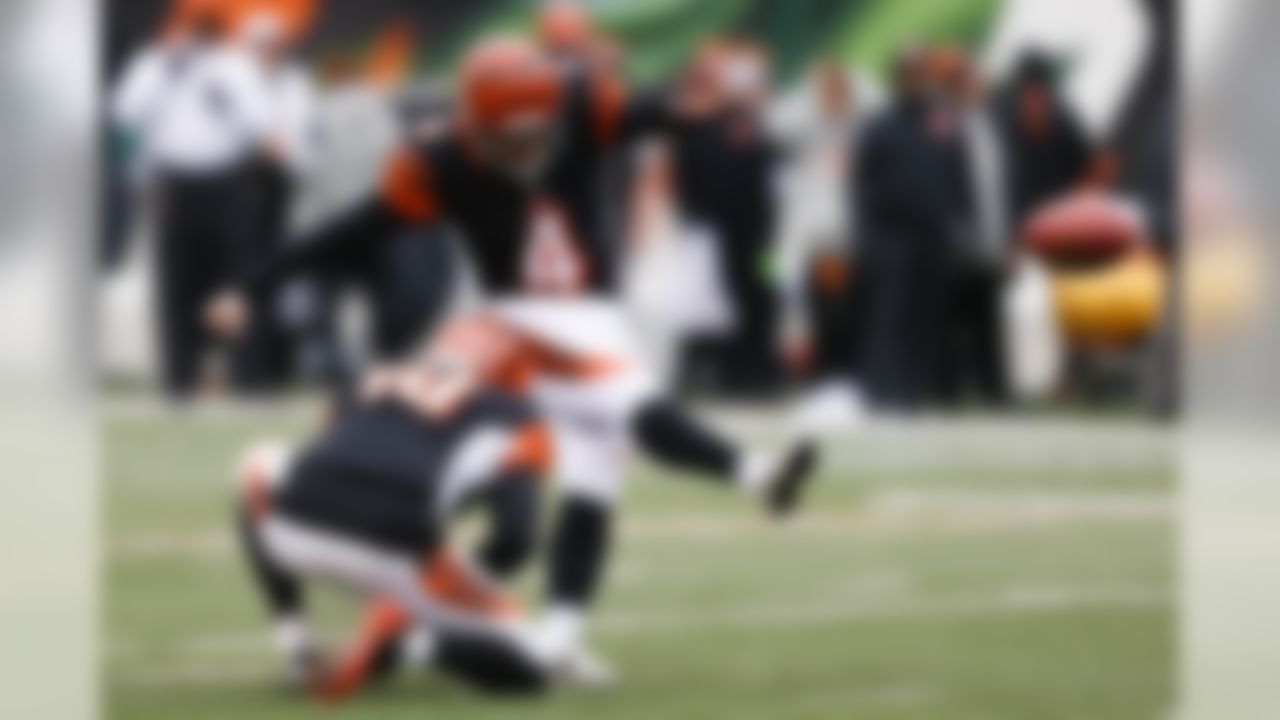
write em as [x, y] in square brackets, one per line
[518, 177]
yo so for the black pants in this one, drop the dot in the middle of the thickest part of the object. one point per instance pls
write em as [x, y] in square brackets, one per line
[743, 364]
[314, 331]
[835, 302]
[203, 227]
[748, 363]
[973, 352]
[410, 283]
[263, 357]
[904, 324]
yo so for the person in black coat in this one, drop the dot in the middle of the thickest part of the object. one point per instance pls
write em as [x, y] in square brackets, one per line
[725, 166]
[1045, 146]
[972, 358]
[910, 201]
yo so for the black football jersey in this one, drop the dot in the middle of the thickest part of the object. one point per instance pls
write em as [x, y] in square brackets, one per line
[375, 474]
[543, 236]
[549, 236]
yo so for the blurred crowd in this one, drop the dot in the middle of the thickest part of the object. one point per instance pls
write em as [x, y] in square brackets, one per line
[939, 238]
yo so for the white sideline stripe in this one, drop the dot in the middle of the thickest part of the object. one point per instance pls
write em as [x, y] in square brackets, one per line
[217, 411]
[197, 676]
[1012, 601]
[761, 419]
[1011, 444]
[845, 463]
[1008, 459]
[1024, 601]
[885, 514]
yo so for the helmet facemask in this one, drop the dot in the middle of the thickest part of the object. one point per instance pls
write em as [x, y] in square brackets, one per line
[521, 146]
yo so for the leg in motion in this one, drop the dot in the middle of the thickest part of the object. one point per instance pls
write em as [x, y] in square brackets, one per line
[673, 436]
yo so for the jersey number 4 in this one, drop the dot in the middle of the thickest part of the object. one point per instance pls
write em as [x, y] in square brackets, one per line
[552, 264]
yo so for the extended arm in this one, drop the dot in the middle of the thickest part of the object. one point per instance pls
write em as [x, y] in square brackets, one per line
[405, 197]
[337, 245]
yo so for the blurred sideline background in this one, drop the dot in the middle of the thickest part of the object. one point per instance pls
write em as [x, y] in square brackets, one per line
[993, 535]
[1080, 311]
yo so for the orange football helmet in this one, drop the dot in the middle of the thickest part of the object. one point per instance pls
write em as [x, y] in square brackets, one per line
[505, 78]
[511, 93]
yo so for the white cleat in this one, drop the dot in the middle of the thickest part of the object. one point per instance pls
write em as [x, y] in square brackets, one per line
[581, 669]
[302, 661]
[557, 642]
[831, 407]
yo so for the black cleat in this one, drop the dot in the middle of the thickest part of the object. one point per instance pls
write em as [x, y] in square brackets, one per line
[791, 477]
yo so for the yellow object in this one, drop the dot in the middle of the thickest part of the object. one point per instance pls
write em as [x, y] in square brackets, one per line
[1225, 283]
[1114, 305]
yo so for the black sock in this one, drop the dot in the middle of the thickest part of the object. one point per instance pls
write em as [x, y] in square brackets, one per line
[578, 551]
[512, 503]
[280, 590]
[669, 434]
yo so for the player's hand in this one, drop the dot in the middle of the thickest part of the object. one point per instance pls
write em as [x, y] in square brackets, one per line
[795, 345]
[227, 314]
[799, 356]
[275, 151]
[379, 382]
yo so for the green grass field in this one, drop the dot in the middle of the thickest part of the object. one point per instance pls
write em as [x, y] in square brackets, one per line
[986, 572]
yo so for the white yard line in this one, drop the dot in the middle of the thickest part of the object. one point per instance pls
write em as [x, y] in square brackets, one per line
[203, 676]
[765, 418]
[923, 513]
[1011, 601]
[1017, 442]
[171, 677]
[1015, 601]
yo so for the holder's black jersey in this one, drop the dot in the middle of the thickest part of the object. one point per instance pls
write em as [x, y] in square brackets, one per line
[383, 470]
